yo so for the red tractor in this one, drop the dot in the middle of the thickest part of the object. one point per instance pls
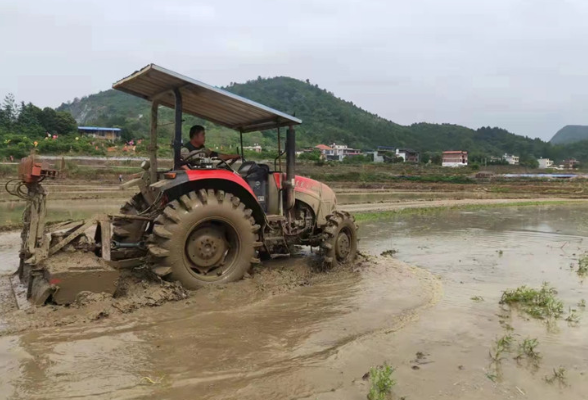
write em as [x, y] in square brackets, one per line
[202, 222]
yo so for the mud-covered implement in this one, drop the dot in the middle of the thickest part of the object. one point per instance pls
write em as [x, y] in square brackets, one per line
[200, 222]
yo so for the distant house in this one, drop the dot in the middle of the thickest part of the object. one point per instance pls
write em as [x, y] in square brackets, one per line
[511, 159]
[100, 132]
[571, 163]
[337, 152]
[408, 155]
[545, 163]
[455, 158]
[256, 148]
[391, 154]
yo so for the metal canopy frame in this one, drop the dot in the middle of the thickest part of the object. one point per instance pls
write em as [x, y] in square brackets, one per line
[161, 86]
[155, 83]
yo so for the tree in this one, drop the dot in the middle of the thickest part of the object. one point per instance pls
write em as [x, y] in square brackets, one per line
[9, 111]
[436, 159]
[65, 123]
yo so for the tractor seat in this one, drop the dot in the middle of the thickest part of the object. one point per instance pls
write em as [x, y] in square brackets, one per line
[247, 168]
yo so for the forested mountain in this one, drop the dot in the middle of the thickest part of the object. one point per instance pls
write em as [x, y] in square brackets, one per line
[570, 134]
[325, 117]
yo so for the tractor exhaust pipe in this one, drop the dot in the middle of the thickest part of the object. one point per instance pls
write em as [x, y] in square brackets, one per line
[290, 168]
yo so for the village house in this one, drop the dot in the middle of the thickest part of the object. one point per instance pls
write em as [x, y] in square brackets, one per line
[386, 153]
[337, 152]
[455, 158]
[408, 155]
[511, 159]
[100, 133]
[256, 148]
[545, 163]
[571, 163]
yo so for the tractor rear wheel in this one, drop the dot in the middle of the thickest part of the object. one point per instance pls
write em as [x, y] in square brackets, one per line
[205, 238]
[340, 239]
[130, 230]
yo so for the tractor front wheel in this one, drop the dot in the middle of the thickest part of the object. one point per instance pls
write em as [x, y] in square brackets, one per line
[204, 238]
[340, 239]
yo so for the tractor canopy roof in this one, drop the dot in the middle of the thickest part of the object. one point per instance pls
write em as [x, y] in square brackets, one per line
[155, 83]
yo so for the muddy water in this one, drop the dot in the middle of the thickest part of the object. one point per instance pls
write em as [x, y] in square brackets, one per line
[249, 342]
[63, 202]
[481, 254]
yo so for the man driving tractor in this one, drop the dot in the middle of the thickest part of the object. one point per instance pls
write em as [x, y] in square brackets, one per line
[197, 141]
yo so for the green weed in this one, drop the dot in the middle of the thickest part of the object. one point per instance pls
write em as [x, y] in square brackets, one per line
[559, 375]
[381, 382]
[582, 303]
[541, 303]
[528, 349]
[501, 346]
[583, 265]
[477, 298]
[573, 318]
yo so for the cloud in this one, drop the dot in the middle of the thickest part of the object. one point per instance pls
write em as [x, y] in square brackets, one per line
[518, 64]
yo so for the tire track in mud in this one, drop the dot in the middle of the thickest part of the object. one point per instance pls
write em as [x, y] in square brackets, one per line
[313, 353]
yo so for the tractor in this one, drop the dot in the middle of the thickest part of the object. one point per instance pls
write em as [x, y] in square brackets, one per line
[200, 223]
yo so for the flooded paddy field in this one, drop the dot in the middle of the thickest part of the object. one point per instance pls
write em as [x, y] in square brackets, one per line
[289, 332]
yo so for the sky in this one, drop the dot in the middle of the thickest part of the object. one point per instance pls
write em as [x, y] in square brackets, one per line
[517, 64]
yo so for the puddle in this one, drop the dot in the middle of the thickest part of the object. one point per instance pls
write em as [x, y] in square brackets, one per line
[316, 342]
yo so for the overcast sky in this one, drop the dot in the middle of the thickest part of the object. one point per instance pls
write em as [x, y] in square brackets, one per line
[518, 64]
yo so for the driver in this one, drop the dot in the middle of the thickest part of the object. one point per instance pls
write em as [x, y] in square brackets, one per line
[197, 140]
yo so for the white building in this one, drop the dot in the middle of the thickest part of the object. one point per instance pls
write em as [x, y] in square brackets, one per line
[511, 159]
[545, 163]
[455, 159]
[256, 148]
[337, 152]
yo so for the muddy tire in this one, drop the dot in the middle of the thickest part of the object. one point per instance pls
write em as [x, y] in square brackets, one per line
[339, 243]
[129, 230]
[204, 238]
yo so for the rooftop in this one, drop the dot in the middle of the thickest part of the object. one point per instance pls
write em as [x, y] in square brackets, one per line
[322, 147]
[97, 128]
[155, 83]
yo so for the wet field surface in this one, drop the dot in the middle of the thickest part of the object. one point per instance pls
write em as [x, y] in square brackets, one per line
[252, 341]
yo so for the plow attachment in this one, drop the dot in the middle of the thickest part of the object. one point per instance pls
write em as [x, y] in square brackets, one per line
[57, 264]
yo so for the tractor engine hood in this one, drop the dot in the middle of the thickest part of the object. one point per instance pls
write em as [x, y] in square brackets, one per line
[317, 195]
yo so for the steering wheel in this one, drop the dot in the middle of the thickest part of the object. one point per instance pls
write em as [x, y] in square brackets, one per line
[227, 164]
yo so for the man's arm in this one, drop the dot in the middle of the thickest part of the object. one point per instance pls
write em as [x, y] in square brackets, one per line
[228, 157]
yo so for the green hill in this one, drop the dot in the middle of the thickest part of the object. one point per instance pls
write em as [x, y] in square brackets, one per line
[326, 119]
[570, 134]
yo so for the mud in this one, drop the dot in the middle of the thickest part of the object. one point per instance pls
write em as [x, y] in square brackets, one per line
[288, 331]
[246, 340]
[139, 288]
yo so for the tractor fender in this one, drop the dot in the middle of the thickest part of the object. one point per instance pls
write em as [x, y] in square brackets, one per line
[185, 182]
[318, 196]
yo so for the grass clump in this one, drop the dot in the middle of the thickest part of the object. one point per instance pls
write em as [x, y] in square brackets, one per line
[583, 265]
[477, 298]
[528, 349]
[381, 382]
[582, 303]
[538, 303]
[389, 253]
[559, 375]
[502, 345]
[573, 319]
